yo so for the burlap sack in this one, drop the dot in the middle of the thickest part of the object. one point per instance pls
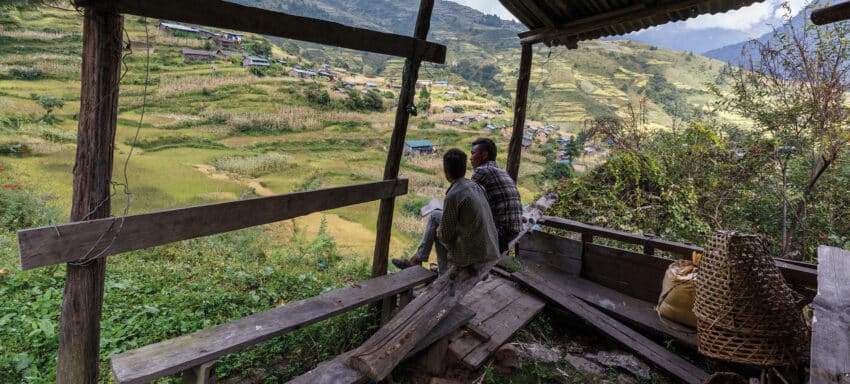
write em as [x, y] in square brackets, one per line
[678, 290]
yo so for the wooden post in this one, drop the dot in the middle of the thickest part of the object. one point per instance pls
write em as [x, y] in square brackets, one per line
[515, 146]
[79, 329]
[402, 116]
[830, 330]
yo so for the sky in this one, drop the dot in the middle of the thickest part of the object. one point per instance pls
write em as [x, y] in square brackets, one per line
[752, 19]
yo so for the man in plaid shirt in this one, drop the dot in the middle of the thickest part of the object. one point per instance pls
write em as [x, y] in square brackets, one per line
[501, 191]
[502, 196]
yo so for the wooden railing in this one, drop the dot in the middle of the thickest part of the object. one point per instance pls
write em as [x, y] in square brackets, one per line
[795, 272]
[99, 238]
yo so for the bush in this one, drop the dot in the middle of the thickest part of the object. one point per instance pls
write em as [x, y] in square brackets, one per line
[26, 73]
[15, 148]
[179, 141]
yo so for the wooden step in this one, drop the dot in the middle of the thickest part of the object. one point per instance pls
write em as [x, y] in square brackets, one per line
[501, 309]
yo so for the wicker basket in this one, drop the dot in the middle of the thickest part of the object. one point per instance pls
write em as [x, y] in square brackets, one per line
[745, 311]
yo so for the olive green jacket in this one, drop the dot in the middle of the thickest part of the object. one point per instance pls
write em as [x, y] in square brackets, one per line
[467, 228]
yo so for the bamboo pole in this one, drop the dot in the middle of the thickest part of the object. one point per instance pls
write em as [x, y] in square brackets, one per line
[515, 146]
[79, 329]
[393, 163]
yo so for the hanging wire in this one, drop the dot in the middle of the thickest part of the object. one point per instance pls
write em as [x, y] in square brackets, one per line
[88, 258]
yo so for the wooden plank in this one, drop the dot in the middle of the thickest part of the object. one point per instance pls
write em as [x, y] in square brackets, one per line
[553, 251]
[378, 356]
[335, 371]
[178, 354]
[658, 355]
[487, 301]
[103, 237]
[617, 304]
[82, 301]
[224, 14]
[831, 14]
[520, 107]
[626, 237]
[634, 274]
[802, 276]
[831, 327]
[503, 326]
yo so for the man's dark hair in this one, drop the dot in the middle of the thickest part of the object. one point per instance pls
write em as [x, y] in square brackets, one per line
[489, 145]
[454, 163]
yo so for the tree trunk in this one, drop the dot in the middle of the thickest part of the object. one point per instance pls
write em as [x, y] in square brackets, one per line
[79, 329]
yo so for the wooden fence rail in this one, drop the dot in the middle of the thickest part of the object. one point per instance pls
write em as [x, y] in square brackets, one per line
[98, 238]
[796, 273]
[224, 14]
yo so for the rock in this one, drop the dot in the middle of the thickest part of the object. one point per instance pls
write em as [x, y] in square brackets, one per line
[626, 379]
[584, 365]
[623, 361]
[4, 271]
[509, 356]
[541, 353]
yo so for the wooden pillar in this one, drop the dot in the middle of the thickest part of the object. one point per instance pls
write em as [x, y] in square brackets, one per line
[515, 146]
[402, 116]
[79, 329]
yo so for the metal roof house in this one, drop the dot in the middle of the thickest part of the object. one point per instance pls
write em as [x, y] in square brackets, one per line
[253, 61]
[418, 147]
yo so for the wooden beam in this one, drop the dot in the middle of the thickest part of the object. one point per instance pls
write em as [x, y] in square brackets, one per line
[402, 116]
[646, 348]
[520, 103]
[336, 372]
[82, 301]
[103, 237]
[224, 14]
[798, 274]
[831, 328]
[174, 355]
[831, 14]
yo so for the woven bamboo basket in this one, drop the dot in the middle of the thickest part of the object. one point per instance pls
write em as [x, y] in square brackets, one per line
[745, 312]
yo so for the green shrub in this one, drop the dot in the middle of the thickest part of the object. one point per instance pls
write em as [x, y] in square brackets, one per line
[178, 141]
[14, 148]
[26, 73]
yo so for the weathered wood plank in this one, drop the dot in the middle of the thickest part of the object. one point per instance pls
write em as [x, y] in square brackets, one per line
[175, 355]
[224, 14]
[554, 251]
[617, 304]
[520, 108]
[635, 274]
[387, 347]
[487, 300]
[503, 326]
[831, 14]
[103, 237]
[335, 371]
[831, 327]
[82, 301]
[658, 355]
[802, 276]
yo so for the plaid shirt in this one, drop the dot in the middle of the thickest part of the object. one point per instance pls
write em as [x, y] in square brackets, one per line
[502, 195]
[467, 228]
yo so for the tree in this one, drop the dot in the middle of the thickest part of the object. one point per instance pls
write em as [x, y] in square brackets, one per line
[262, 48]
[572, 149]
[49, 103]
[794, 90]
[424, 103]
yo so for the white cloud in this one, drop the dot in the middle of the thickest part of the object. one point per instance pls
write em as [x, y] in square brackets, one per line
[748, 19]
[490, 7]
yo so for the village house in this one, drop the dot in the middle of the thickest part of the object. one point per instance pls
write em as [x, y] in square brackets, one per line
[371, 85]
[441, 83]
[325, 73]
[225, 53]
[253, 61]
[418, 147]
[222, 42]
[496, 111]
[301, 73]
[526, 141]
[174, 27]
[450, 109]
[193, 55]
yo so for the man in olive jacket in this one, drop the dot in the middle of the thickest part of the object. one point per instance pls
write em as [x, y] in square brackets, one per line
[467, 228]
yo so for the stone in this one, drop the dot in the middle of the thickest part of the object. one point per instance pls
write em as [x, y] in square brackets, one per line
[584, 365]
[623, 361]
[509, 356]
[541, 353]
[626, 379]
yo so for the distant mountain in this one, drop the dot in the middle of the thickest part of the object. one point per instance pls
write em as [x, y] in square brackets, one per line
[678, 37]
[738, 54]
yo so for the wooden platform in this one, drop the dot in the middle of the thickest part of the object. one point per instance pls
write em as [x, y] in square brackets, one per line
[175, 355]
[335, 371]
[501, 309]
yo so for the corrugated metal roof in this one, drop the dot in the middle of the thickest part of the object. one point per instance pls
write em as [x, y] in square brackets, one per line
[562, 22]
[418, 143]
